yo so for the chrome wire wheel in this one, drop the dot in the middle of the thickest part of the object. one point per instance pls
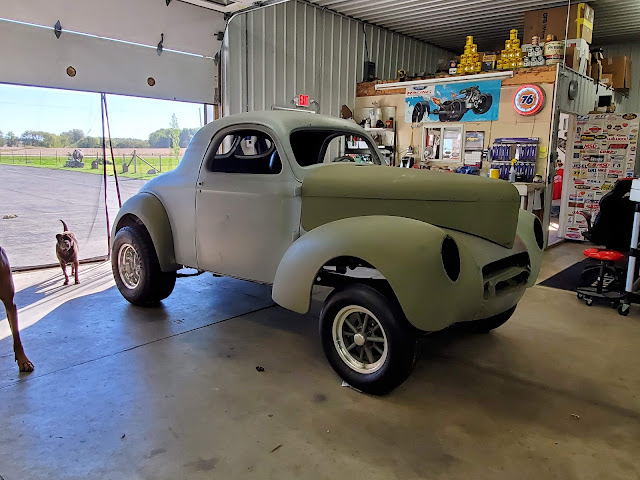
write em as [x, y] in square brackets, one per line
[129, 266]
[359, 339]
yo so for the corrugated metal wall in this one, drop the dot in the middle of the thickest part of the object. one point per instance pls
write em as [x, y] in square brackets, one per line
[587, 96]
[630, 50]
[273, 54]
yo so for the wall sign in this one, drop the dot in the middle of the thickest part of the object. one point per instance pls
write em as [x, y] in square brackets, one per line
[528, 100]
[453, 102]
[303, 100]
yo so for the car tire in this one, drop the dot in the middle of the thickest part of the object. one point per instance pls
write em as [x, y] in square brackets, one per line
[136, 269]
[487, 324]
[484, 105]
[389, 347]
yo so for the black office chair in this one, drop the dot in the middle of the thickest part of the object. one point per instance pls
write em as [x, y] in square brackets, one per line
[611, 228]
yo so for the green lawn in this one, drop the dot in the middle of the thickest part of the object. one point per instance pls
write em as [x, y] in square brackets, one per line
[141, 168]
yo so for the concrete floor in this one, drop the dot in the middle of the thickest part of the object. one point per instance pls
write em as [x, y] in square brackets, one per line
[173, 392]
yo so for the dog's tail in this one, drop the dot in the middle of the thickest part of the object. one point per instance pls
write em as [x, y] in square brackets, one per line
[64, 225]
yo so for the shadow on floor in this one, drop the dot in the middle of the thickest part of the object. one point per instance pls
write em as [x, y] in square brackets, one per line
[62, 326]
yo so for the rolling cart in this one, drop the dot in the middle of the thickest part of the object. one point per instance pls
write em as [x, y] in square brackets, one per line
[631, 292]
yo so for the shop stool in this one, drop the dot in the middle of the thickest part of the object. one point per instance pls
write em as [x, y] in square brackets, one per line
[601, 292]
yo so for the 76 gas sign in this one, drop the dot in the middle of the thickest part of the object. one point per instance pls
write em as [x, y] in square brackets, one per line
[528, 100]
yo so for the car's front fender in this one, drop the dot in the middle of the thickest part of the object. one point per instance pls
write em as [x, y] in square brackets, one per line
[148, 209]
[405, 251]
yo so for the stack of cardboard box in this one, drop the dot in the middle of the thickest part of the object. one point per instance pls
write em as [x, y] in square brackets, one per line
[616, 72]
[553, 21]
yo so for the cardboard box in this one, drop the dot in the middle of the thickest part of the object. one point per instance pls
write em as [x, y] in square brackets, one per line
[606, 79]
[577, 55]
[596, 71]
[553, 21]
[620, 68]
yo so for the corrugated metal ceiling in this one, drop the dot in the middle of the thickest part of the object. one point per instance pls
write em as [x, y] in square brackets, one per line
[446, 23]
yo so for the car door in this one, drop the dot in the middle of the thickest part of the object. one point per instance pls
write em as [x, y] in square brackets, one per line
[247, 205]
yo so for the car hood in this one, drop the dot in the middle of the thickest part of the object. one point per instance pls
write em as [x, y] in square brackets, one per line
[480, 206]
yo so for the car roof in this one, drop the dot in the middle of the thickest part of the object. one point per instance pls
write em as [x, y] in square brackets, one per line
[282, 122]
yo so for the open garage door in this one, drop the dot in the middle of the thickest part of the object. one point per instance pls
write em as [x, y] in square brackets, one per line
[164, 51]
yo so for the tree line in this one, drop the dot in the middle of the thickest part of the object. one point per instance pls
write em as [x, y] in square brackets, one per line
[162, 138]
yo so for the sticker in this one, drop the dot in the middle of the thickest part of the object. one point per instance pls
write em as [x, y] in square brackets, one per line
[595, 129]
[617, 138]
[591, 146]
[601, 137]
[528, 100]
[587, 138]
[573, 236]
[618, 127]
[582, 187]
[619, 146]
[629, 116]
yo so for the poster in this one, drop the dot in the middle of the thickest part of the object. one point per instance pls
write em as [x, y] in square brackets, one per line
[604, 150]
[453, 102]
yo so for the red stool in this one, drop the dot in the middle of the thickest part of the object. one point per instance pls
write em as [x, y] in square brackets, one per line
[600, 291]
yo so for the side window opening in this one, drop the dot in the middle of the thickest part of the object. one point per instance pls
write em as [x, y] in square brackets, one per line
[311, 147]
[248, 152]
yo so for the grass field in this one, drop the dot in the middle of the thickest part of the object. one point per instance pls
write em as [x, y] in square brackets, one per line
[138, 171]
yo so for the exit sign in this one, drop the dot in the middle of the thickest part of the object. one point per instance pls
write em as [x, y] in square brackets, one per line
[303, 100]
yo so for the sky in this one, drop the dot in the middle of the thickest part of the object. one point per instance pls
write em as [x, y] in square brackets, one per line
[55, 111]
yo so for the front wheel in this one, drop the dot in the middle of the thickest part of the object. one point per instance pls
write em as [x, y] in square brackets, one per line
[484, 104]
[367, 339]
[136, 269]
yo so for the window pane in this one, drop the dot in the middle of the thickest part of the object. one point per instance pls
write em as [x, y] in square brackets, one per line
[246, 151]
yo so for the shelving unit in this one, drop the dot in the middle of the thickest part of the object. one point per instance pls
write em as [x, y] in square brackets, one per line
[385, 137]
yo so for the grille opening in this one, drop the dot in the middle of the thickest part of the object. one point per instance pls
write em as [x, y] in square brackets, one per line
[512, 282]
[518, 260]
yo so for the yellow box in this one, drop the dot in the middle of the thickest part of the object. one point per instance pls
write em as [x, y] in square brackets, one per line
[513, 34]
[507, 44]
[473, 48]
[469, 40]
[515, 43]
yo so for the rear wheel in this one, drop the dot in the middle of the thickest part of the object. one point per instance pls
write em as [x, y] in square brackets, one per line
[367, 339]
[136, 269]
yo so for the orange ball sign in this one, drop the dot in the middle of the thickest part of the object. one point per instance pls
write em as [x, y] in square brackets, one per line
[528, 100]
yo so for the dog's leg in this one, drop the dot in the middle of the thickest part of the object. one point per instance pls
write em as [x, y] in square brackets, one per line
[75, 271]
[12, 315]
[64, 270]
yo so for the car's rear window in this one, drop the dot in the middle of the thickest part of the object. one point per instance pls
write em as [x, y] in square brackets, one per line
[314, 146]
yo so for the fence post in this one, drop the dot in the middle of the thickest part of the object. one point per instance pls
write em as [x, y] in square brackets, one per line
[40, 157]
[56, 157]
[160, 164]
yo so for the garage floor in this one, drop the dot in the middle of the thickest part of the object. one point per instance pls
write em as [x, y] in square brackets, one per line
[173, 392]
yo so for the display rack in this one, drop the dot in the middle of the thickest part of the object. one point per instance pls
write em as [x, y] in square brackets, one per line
[384, 137]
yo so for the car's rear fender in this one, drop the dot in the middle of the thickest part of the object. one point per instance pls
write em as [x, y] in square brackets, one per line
[147, 209]
[405, 251]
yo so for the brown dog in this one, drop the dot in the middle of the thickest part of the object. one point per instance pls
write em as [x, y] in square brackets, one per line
[67, 253]
[7, 291]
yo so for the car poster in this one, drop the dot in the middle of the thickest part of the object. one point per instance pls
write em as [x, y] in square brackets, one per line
[604, 150]
[453, 102]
